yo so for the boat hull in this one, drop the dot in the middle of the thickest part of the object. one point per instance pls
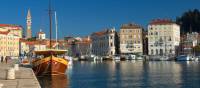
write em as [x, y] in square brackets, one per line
[183, 58]
[50, 66]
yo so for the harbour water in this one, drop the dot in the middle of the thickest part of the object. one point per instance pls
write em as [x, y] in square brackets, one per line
[127, 74]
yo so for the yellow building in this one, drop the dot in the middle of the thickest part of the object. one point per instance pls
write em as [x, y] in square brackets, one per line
[131, 39]
[9, 44]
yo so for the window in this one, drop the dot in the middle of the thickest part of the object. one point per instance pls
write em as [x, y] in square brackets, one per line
[170, 39]
[151, 51]
[156, 51]
[156, 33]
[111, 37]
[111, 52]
[130, 36]
[111, 44]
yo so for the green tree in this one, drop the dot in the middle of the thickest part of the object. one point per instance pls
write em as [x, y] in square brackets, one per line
[189, 21]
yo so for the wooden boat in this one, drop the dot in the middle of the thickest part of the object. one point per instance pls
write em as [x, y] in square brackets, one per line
[50, 64]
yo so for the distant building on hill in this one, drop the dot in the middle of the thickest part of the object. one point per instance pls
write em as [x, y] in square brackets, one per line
[188, 42]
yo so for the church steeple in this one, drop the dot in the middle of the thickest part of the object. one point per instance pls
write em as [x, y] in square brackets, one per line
[28, 23]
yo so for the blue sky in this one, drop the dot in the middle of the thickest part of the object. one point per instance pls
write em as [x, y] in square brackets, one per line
[82, 17]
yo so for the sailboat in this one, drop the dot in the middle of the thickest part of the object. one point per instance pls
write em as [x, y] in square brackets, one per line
[50, 61]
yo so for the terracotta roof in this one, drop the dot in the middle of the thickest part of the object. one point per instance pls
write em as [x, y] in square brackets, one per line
[36, 43]
[33, 42]
[99, 33]
[12, 26]
[130, 26]
[4, 25]
[106, 31]
[161, 22]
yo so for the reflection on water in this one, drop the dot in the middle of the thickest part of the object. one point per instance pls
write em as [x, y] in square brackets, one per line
[59, 81]
[128, 74]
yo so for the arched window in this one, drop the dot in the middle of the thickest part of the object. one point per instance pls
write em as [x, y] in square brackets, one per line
[156, 51]
[161, 51]
[151, 51]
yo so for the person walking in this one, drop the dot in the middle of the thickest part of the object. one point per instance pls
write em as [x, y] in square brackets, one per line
[6, 59]
[1, 59]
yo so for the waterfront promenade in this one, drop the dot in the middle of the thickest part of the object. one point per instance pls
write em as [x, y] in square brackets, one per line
[24, 77]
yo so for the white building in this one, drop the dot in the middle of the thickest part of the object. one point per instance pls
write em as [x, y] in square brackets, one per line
[131, 39]
[163, 37]
[41, 35]
[27, 47]
[103, 43]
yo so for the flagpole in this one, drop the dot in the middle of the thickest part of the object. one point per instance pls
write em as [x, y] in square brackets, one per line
[56, 29]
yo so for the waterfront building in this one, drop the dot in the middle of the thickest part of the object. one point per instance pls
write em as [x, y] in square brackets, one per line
[9, 44]
[84, 46]
[131, 40]
[163, 37]
[104, 43]
[188, 42]
[71, 46]
[28, 47]
[192, 39]
[28, 25]
[12, 28]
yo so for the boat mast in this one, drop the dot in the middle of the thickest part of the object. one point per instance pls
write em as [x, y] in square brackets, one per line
[56, 29]
[50, 22]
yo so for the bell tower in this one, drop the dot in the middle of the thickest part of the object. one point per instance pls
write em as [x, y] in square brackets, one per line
[28, 25]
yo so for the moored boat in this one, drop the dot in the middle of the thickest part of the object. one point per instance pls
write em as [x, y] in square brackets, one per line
[183, 58]
[50, 63]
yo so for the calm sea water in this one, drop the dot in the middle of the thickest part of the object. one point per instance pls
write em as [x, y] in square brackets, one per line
[127, 74]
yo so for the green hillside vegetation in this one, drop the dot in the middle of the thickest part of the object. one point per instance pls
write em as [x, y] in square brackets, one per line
[189, 21]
